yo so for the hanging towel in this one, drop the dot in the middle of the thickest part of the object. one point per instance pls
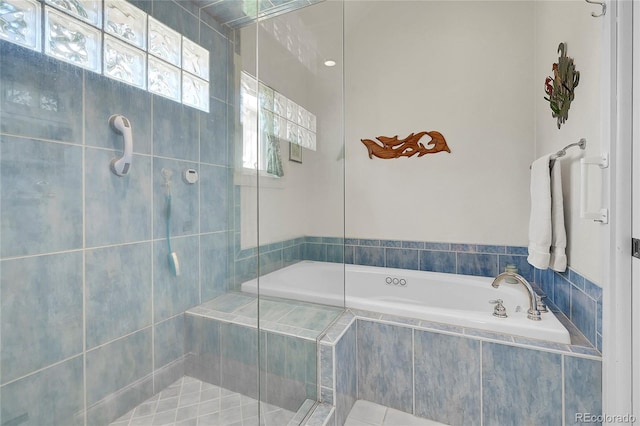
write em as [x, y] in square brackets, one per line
[540, 217]
[558, 261]
[547, 235]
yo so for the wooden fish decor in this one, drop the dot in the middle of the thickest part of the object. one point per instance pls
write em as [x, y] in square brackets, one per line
[407, 147]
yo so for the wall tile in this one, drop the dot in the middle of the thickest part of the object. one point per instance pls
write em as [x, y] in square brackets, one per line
[214, 198]
[39, 326]
[291, 254]
[385, 365]
[270, 261]
[491, 249]
[117, 209]
[110, 409]
[447, 372]
[349, 255]
[582, 388]
[184, 200]
[335, 253]
[438, 261]
[391, 243]
[520, 386]
[577, 279]
[347, 374]
[215, 146]
[118, 291]
[105, 97]
[174, 294]
[464, 247]
[217, 45]
[524, 268]
[523, 251]
[437, 246]
[214, 254]
[176, 17]
[169, 344]
[170, 139]
[239, 358]
[41, 201]
[313, 251]
[562, 294]
[366, 242]
[202, 341]
[52, 396]
[121, 362]
[40, 98]
[413, 244]
[583, 313]
[485, 265]
[370, 256]
[401, 258]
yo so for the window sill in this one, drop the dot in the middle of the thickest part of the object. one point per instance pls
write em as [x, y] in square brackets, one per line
[247, 177]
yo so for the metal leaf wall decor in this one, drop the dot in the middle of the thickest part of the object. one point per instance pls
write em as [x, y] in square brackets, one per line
[387, 147]
[561, 86]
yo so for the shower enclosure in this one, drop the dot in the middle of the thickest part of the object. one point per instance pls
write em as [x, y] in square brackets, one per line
[121, 293]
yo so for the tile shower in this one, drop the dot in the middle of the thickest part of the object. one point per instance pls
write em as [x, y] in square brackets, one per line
[83, 262]
[91, 319]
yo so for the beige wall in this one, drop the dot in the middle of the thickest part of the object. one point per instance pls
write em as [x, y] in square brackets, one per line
[571, 22]
[465, 70]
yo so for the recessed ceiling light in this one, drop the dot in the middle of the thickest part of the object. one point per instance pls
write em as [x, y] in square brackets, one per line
[329, 63]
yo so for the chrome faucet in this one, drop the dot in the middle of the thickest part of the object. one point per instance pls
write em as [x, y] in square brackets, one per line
[533, 313]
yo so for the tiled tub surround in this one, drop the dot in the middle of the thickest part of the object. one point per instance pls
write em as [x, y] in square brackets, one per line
[91, 319]
[452, 375]
[222, 344]
[577, 297]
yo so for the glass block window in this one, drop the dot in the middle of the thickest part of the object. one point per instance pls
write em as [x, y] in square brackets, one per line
[276, 115]
[138, 49]
[72, 41]
[89, 11]
[20, 22]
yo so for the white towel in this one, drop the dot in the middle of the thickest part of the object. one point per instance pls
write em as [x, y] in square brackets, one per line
[540, 217]
[547, 235]
[558, 261]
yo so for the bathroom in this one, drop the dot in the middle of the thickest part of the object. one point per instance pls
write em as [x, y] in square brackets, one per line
[175, 186]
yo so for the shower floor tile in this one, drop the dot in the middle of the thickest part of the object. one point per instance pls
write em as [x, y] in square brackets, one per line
[190, 402]
[365, 413]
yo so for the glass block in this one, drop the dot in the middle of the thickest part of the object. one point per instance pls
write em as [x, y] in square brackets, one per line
[123, 62]
[126, 22]
[303, 117]
[164, 42]
[305, 137]
[292, 111]
[195, 59]
[312, 122]
[20, 22]
[195, 92]
[293, 133]
[280, 127]
[266, 97]
[164, 79]
[312, 141]
[89, 11]
[267, 124]
[72, 41]
[279, 104]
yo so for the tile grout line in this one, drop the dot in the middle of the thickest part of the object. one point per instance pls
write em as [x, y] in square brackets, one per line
[481, 386]
[563, 391]
[84, 254]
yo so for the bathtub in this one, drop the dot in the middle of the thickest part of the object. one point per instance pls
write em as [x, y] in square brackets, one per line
[460, 300]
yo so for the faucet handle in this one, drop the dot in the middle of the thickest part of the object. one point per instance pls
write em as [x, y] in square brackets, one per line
[542, 307]
[499, 310]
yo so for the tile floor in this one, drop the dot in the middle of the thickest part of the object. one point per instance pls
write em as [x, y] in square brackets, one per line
[365, 413]
[190, 402]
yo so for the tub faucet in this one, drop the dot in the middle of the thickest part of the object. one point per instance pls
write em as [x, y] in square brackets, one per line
[533, 313]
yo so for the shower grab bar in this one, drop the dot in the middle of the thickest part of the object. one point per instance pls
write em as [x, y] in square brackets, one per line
[602, 215]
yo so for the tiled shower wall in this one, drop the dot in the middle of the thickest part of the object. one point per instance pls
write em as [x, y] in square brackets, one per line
[92, 318]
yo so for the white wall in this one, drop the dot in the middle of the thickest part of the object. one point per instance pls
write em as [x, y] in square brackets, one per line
[571, 22]
[461, 68]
